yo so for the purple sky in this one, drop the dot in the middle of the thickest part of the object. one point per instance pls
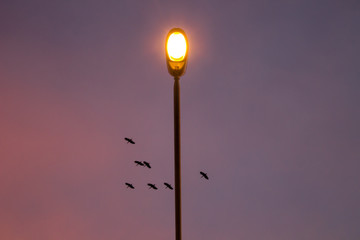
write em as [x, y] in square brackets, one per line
[269, 109]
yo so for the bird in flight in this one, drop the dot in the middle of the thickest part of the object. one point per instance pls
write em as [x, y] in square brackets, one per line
[129, 185]
[147, 164]
[139, 163]
[204, 175]
[168, 186]
[152, 186]
[129, 140]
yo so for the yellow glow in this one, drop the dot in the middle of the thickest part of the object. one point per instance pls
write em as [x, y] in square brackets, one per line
[176, 46]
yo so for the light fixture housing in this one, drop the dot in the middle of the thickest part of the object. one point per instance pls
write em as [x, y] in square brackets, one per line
[176, 51]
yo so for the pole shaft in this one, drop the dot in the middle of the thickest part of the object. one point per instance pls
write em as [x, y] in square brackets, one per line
[177, 158]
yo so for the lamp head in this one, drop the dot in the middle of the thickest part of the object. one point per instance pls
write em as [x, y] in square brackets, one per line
[176, 49]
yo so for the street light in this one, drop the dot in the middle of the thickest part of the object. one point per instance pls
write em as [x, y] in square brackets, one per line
[176, 51]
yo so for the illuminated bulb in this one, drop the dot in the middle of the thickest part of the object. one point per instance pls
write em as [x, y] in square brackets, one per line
[176, 46]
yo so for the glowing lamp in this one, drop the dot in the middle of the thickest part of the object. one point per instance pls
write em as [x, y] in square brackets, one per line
[176, 48]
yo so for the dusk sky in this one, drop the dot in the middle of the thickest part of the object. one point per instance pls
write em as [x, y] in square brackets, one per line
[269, 110]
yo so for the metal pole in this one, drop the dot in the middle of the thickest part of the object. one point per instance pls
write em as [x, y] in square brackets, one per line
[177, 158]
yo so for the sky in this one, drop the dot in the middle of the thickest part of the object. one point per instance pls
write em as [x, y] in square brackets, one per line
[269, 110]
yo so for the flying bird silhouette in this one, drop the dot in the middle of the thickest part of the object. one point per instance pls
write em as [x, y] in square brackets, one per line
[129, 140]
[168, 186]
[204, 175]
[152, 186]
[147, 164]
[129, 185]
[139, 163]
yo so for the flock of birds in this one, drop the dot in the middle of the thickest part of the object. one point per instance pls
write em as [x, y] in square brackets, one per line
[146, 164]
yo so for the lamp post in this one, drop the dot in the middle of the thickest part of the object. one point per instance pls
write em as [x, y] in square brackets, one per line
[176, 49]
